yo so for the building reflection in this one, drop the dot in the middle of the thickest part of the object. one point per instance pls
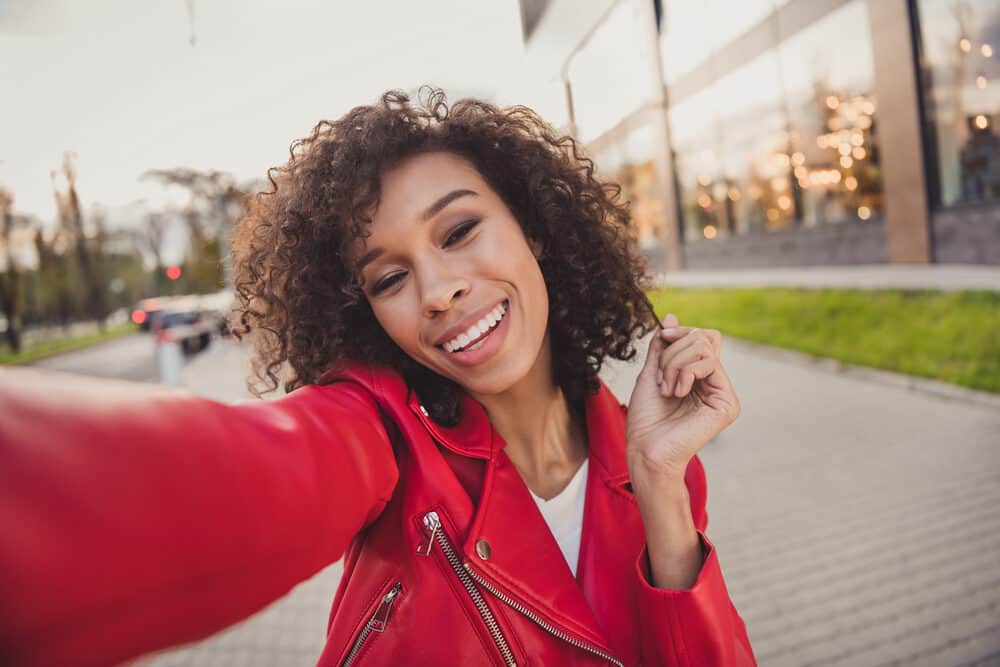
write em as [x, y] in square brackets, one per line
[775, 117]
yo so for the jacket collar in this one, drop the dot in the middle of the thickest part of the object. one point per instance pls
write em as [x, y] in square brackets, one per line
[532, 571]
[604, 419]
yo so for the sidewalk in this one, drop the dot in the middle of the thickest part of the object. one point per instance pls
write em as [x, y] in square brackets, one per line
[946, 277]
[856, 522]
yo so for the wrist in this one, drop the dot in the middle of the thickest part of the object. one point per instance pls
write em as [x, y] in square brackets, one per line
[659, 476]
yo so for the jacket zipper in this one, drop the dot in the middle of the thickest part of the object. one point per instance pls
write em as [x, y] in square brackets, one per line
[432, 522]
[470, 578]
[376, 623]
[516, 606]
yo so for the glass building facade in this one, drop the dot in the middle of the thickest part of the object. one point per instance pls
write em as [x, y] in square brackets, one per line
[798, 132]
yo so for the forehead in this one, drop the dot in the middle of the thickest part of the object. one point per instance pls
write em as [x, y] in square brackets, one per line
[414, 184]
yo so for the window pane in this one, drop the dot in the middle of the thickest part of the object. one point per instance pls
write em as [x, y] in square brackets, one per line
[828, 74]
[613, 74]
[693, 29]
[695, 139]
[960, 41]
[753, 123]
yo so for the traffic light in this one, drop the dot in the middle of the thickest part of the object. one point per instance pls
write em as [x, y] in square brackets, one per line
[174, 272]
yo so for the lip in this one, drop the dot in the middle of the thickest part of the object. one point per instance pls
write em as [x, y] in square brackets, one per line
[490, 345]
[465, 323]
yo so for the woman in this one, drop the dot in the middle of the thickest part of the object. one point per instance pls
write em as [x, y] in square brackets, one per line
[444, 285]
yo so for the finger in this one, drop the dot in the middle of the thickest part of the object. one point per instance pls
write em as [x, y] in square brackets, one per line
[720, 381]
[670, 320]
[673, 333]
[698, 370]
[650, 367]
[682, 352]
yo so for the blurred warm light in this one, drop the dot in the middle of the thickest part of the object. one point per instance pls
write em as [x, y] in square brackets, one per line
[832, 102]
[779, 183]
[857, 139]
[174, 272]
[846, 161]
[868, 107]
[754, 191]
[845, 149]
[851, 183]
[773, 214]
[709, 231]
[864, 212]
[980, 82]
[704, 181]
[138, 316]
[704, 200]
[859, 153]
[982, 122]
[965, 45]
[801, 172]
[804, 183]
[734, 194]
[784, 202]
[782, 159]
[864, 122]
[824, 177]
[986, 50]
[798, 158]
[821, 141]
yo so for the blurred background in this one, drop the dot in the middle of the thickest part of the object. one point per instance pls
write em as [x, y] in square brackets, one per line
[818, 179]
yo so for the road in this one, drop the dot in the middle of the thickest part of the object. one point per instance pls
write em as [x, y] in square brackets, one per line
[128, 358]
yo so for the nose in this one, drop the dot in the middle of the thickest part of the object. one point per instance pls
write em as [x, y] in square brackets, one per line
[440, 288]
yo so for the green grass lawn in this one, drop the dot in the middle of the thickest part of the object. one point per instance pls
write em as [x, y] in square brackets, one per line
[950, 336]
[32, 353]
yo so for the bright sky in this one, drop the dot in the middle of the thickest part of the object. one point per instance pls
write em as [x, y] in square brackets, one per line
[118, 82]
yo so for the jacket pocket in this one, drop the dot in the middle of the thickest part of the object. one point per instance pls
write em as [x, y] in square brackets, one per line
[375, 624]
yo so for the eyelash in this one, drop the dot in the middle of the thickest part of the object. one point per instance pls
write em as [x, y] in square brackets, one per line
[458, 233]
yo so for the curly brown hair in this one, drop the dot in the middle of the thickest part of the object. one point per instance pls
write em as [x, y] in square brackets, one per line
[299, 295]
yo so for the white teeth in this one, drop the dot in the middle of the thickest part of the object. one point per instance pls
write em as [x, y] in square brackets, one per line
[476, 330]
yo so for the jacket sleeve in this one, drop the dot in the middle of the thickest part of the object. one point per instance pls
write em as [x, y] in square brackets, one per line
[135, 518]
[699, 627]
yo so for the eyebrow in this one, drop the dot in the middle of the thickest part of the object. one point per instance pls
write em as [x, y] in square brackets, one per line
[426, 215]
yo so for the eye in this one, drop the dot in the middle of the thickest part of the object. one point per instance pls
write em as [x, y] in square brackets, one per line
[386, 283]
[460, 232]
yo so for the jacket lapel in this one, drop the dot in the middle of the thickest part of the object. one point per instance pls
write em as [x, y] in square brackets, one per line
[523, 559]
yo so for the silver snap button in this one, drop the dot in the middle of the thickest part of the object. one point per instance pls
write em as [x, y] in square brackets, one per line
[483, 549]
[424, 410]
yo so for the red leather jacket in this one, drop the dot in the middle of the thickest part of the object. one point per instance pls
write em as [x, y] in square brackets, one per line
[137, 520]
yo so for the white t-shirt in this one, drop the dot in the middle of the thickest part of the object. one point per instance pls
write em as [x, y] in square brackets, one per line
[564, 515]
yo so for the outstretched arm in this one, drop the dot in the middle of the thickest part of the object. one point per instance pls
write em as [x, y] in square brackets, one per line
[135, 518]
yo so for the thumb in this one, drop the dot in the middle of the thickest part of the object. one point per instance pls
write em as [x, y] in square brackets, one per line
[652, 365]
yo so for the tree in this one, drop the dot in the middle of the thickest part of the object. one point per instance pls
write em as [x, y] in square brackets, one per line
[10, 278]
[216, 200]
[87, 250]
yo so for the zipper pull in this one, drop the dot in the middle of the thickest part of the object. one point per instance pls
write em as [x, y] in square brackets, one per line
[432, 523]
[381, 617]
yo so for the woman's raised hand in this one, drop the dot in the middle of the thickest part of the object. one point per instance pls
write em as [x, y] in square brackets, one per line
[682, 399]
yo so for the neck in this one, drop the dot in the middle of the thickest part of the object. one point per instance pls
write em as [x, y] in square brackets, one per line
[544, 439]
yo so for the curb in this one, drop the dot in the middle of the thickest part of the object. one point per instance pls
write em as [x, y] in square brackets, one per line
[921, 385]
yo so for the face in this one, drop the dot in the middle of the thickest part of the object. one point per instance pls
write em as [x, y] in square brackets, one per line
[451, 277]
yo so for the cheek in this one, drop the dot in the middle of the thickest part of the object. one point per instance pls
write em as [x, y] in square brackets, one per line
[396, 325]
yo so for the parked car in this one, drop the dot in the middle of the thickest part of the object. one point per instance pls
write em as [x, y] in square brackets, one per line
[193, 330]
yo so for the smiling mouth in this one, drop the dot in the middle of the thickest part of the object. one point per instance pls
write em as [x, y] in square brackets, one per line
[466, 341]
